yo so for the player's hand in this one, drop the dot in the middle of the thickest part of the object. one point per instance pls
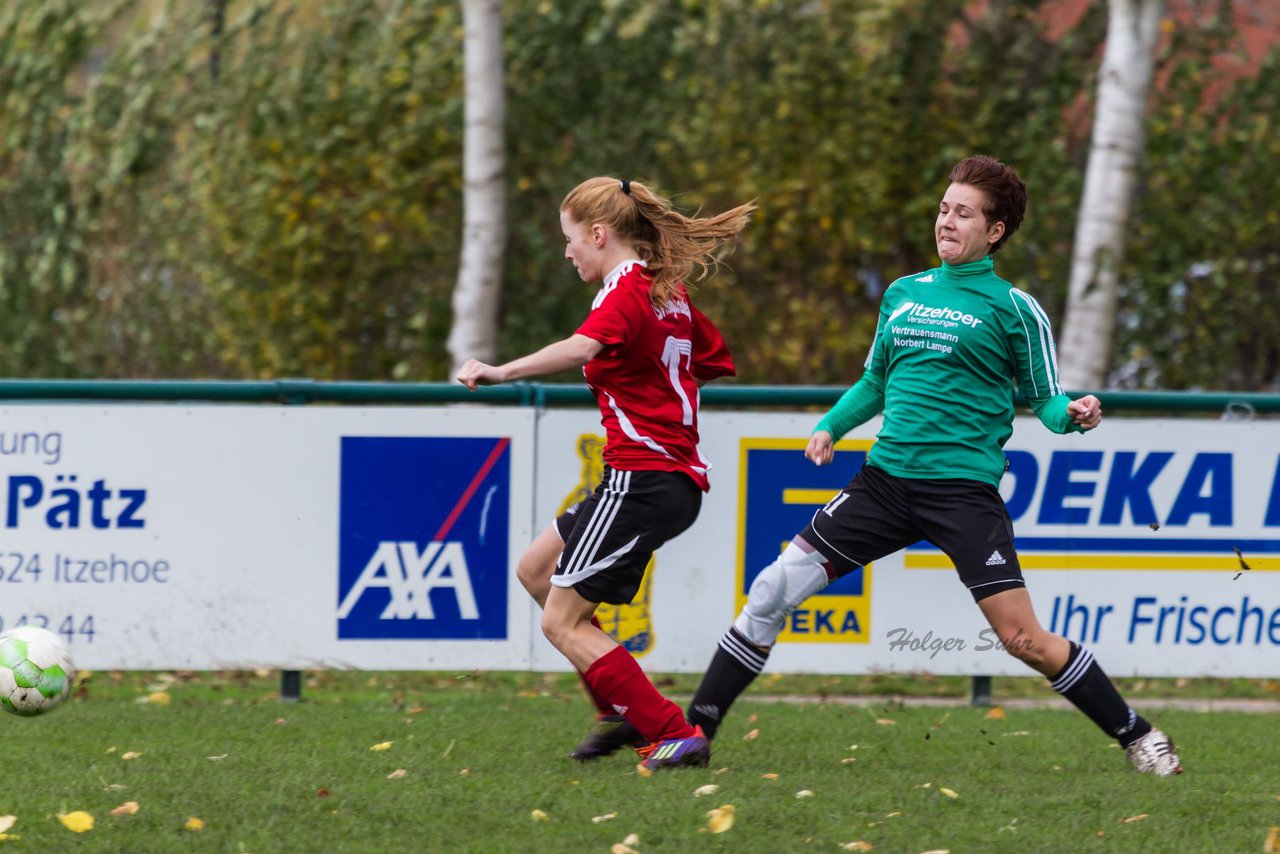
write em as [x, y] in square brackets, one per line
[1086, 412]
[476, 373]
[821, 449]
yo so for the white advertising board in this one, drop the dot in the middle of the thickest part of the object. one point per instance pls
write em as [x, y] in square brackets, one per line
[1127, 537]
[210, 537]
[156, 537]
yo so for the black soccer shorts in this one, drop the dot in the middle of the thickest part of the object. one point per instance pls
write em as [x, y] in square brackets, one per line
[610, 536]
[878, 514]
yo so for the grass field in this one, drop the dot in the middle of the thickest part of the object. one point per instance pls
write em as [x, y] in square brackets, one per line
[467, 759]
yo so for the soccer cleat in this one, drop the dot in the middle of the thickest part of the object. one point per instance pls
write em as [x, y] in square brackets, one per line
[675, 752]
[610, 734]
[1154, 754]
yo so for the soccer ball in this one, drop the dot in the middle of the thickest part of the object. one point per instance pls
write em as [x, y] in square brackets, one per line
[35, 671]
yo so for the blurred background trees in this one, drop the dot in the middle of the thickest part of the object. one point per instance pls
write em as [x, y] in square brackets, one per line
[277, 190]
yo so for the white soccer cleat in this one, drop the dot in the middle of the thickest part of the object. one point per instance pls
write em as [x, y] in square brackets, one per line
[1154, 754]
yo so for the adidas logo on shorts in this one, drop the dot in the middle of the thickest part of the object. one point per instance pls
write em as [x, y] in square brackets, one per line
[996, 559]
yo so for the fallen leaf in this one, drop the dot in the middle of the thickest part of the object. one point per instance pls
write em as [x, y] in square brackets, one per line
[886, 722]
[950, 793]
[1023, 732]
[853, 747]
[76, 822]
[720, 819]
[322, 793]
[622, 848]
[937, 851]
[892, 814]
[7, 821]
[804, 793]
[9, 837]
[219, 757]
[1272, 845]
[132, 754]
[770, 776]
[926, 785]
[860, 845]
[193, 823]
[126, 808]
[465, 772]
[1131, 819]
[751, 736]
[995, 714]
[381, 746]
[538, 815]
[848, 760]
[159, 698]
[110, 750]
[397, 774]
[709, 789]
[609, 816]
[632, 839]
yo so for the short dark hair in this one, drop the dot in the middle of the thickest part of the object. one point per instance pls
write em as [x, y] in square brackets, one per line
[1005, 192]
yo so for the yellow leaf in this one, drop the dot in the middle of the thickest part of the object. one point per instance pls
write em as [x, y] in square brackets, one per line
[996, 714]
[159, 698]
[886, 722]
[9, 837]
[397, 774]
[948, 792]
[632, 839]
[860, 845]
[804, 793]
[126, 808]
[7, 821]
[720, 819]
[538, 815]
[194, 823]
[848, 760]
[709, 789]
[751, 736]
[1131, 819]
[76, 822]
[609, 816]
[381, 746]
[1272, 845]
[622, 848]
[132, 754]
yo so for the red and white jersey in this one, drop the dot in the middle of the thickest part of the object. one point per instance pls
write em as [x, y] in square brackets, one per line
[646, 377]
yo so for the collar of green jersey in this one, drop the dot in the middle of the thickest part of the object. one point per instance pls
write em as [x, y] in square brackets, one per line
[984, 266]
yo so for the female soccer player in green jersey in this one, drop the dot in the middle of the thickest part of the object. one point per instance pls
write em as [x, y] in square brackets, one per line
[950, 345]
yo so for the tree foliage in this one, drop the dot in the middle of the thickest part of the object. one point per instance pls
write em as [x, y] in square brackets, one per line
[299, 211]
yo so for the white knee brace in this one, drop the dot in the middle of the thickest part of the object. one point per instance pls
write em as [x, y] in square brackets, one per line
[777, 591]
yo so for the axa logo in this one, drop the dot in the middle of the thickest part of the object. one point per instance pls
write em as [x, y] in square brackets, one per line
[410, 575]
[423, 538]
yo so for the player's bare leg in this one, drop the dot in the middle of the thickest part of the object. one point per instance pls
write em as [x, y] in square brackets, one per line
[1074, 674]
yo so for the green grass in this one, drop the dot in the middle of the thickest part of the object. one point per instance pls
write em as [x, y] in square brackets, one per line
[482, 751]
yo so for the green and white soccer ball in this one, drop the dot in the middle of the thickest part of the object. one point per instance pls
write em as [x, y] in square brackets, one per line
[35, 671]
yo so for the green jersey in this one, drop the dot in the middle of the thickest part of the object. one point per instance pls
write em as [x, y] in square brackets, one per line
[949, 346]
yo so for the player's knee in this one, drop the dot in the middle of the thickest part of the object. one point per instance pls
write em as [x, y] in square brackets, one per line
[534, 574]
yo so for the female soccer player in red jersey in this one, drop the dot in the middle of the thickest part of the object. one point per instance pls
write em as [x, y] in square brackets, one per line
[644, 350]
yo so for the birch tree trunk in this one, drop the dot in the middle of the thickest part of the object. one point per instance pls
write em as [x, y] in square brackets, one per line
[484, 227]
[1133, 28]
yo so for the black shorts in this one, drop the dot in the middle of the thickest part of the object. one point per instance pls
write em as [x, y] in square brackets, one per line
[878, 514]
[609, 538]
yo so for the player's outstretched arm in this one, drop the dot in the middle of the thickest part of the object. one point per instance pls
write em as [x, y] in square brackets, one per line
[573, 352]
